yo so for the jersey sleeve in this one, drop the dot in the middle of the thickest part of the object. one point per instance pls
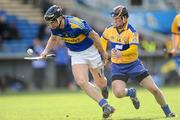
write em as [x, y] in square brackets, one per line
[133, 42]
[86, 28]
[104, 39]
[134, 38]
[130, 50]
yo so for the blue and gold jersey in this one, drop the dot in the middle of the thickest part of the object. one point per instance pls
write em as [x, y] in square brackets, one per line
[125, 40]
[75, 34]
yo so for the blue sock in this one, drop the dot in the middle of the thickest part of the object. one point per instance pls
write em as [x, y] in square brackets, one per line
[102, 102]
[166, 110]
[130, 92]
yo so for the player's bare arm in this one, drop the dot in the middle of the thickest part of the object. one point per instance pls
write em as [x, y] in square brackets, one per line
[52, 42]
[93, 35]
[175, 43]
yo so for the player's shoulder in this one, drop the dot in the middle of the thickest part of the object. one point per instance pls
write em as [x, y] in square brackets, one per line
[75, 22]
[131, 28]
[109, 26]
[69, 17]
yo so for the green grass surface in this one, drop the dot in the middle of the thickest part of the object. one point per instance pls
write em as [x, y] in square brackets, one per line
[77, 106]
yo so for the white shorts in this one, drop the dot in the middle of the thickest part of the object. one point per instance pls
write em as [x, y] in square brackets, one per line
[89, 56]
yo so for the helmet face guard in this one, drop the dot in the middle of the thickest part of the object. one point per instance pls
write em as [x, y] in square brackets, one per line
[50, 18]
[114, 14]
[52, 14]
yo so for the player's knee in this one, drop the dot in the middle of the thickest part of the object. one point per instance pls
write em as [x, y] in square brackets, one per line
[81, 82]
[119, 93]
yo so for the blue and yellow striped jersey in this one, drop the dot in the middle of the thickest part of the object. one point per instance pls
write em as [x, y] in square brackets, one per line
[75, 34]
[175, 27]
[125, 40]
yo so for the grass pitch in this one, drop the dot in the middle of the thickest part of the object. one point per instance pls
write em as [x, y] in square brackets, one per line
[60, 105]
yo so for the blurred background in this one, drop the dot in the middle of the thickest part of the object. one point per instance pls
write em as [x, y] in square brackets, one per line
[22, 27]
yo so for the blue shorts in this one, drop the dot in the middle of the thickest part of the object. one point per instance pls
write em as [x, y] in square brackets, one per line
[134, 70]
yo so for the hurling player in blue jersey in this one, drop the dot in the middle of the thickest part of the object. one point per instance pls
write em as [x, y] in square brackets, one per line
[124, 41]
[86, 53]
